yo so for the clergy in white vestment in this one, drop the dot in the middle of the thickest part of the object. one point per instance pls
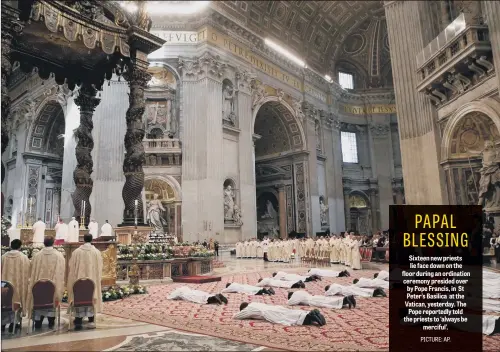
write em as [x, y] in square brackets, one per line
[490, 324]
[371, 283]
[201, 297]
[38, 231]
[328, 273]
[305, 298]
[48, 264]
[106, 230]
[16, 270]
[280, 275]
[85, 262]
[272, 282]
[73, 231]
[382, 275]
[61, 232]
[93, 228]
[279, 315]
[234, 287]
[265, 249]
[352, 290]
[237, 249]
[491, 288]
[355, 255]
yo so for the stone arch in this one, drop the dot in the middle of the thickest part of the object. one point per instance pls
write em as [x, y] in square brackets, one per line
[168, 180]
[488, 107]
[358, 196]
[288, 121]
[48, 124]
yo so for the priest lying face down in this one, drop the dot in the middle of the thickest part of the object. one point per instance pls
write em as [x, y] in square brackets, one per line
[305, 298]
[280, 275]
[234, 287]
[279, 315]
[328, 273]
[187, 294]
[352, 290]
[270, 282]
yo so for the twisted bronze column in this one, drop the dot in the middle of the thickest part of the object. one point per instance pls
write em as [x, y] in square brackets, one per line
[135, 156]
[87, 102]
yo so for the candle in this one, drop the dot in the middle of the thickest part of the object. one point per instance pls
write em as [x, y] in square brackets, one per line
[136, 203]
[84, 209]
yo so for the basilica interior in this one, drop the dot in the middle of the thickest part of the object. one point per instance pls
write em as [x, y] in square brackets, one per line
[235, 120]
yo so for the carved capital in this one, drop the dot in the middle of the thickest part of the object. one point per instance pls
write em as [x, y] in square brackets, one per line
[205, 66]
[86, 99]
[379, 129]
[311, 113]
[349, 127]
[244, 80]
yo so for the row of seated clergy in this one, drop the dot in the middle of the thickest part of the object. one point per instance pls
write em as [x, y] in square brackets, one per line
[50, 264]
[69, 232]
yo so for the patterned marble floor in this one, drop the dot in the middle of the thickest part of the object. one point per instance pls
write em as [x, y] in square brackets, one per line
[118, 334]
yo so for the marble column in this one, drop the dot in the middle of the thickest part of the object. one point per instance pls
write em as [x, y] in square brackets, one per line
[419, 136]
[491, 9]
[138, 78]
[311, 115]
[347, 209]
[248, 201]
[282, 211]
[202, 147]
[87, 102]
[375, 211]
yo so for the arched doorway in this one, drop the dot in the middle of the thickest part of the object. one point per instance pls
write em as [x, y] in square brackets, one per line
[465, 141]
[360, 213]
[281, 170]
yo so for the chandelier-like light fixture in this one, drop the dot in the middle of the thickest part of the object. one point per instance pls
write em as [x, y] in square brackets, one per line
[168, 7]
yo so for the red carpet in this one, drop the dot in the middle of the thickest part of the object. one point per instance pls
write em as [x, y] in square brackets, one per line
[196, 279]
[365, 328]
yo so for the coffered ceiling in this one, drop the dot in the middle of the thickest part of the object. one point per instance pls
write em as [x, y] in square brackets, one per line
[314, 30]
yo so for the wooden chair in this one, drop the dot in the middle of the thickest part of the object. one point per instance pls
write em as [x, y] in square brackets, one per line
[44, 297]
[8, 304]
[83, 296]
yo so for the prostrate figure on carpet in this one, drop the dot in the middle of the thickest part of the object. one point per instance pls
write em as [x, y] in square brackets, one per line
[304, 298]
[195, 296]
[270, 282]
[382, 275]
[490, 324]
[328, 273]
[16, 270]
[48, 264]
[106, 229]
[491, 285]
[85, 262]
[61, 232]
[38, 231]
[279, 315]
[280, 275]
[234, 287]
[93, 228]
[352, 290]
[73, 230]
[371, 283]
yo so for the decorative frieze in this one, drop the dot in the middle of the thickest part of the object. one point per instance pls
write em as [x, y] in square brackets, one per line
[379, 129]
[205, 66]
[244, 79]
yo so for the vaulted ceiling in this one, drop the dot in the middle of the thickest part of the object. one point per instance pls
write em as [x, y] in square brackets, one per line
[316, 30]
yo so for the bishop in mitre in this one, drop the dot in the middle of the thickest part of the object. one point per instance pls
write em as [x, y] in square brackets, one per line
[16, 270]
[85, 262]
[48, 264]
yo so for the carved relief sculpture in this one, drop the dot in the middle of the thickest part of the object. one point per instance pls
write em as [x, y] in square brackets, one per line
[297, 106]
[258, 93]
[154, 215]
[380, 130]
[323, 212]
[87, 102]
[228, 104]
[228, 203]
[237, 218]
[317, 132]
[489, 184]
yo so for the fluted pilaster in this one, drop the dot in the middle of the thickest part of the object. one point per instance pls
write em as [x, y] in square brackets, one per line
[491, 9]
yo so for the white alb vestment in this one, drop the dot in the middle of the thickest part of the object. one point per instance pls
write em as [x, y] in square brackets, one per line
[265, 245]
[324, 272]
[383, 275]
[241, 288]
[305, 298]
[106, 230]
[372, 283]
[491, 288]
[61, 231]
[488, 324]
[39, 231]
[280, 275]
[94, 229]
[269, 282]
[73, 231]
[351, 290]
[187, 294]
[273, 314]
[488, 274]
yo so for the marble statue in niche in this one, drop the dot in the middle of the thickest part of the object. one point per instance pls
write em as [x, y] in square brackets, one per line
[318, 135]
[489, 184]
[159, 115]
[237, 218]
[270, 212]
[228, 203]
[154, 215]
[228, 98]
[323, 212]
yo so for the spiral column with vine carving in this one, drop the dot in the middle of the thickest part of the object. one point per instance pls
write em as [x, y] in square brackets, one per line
[87, 102]
[135, 155]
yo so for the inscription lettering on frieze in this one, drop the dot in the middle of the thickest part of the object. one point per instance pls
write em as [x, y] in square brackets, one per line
[373, 109]
[177, 37]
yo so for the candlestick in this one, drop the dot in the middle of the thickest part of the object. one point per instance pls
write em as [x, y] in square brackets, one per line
[31, 206]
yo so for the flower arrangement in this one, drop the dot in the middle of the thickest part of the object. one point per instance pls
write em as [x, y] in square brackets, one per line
[120, 292]
[5, 225]
[30, 251]
[145, 252]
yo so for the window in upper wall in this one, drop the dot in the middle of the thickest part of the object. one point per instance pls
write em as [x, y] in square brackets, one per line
[346, 80]
[349, 147]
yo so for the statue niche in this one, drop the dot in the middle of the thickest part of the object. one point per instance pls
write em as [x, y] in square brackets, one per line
[267, 214]
[228, 103]
[160, 104]
[323, 211]
[232, 213]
